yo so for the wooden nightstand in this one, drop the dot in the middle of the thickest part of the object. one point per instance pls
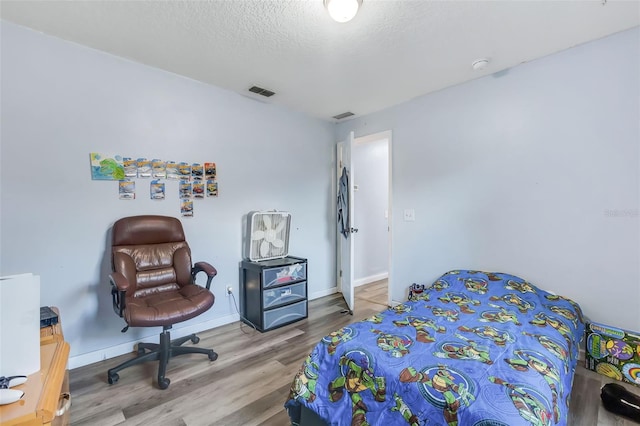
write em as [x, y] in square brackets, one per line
[46, 398]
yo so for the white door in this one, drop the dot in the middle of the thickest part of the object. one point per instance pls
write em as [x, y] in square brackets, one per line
[345, 227]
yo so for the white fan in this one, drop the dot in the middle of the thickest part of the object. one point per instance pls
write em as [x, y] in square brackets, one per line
[269, 235]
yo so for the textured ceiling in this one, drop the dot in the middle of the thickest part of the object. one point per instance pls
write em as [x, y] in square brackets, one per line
[393, 51]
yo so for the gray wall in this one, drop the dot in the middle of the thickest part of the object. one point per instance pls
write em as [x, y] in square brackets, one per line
[534, 171]
[61, 101]
[371, 200]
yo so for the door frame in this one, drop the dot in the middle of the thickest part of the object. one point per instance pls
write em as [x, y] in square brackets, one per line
[388, 135]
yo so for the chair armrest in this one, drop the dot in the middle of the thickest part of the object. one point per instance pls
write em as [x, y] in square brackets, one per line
[119, 285]
[207, 269]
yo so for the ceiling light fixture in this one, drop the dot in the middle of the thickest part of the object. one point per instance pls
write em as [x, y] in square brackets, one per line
[342, 10]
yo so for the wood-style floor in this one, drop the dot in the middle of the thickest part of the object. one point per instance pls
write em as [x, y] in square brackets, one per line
[249, 382]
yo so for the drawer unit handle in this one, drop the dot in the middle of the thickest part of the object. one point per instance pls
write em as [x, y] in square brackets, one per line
[63, 404]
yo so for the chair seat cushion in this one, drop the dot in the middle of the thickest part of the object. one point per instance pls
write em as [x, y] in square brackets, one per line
[167, 307]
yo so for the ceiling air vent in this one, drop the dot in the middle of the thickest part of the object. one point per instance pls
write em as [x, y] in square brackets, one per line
[343, 115]
[260, 91]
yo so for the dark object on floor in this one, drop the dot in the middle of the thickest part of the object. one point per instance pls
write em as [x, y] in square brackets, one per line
[153, 284]
[47, 317]
[617, 399]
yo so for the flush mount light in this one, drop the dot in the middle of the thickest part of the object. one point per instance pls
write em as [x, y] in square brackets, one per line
[342, 10]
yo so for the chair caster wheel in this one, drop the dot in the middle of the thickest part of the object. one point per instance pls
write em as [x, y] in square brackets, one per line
[163, 383]
[113, 378]
[141, 351]
[213, 356]
[195, 340]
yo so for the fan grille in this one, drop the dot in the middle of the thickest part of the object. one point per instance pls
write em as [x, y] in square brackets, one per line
[268, 235]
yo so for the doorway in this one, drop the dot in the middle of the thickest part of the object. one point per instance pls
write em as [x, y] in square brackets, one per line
[371, 161]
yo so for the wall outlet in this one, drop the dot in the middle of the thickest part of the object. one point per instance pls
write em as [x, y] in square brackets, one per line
[229, 290]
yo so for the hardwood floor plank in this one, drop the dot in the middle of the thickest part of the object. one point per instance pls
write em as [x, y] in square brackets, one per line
[258, 412]
[375, 292]
[103, 418]
[583, 395]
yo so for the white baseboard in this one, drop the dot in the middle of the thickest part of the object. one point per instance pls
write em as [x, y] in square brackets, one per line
[125, 348]
[370, 279]
[322, 293]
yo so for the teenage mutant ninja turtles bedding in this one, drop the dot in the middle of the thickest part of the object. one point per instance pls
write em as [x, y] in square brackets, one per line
[475, 348]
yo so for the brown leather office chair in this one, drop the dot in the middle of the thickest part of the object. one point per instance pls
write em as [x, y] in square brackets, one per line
[153, 284]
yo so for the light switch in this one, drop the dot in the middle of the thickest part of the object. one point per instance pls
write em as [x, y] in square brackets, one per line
[409, 215]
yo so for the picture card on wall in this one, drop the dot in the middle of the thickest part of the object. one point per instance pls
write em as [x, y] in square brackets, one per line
[185, 189]
[127, 189]
[159, 168]
[197, 171]
[144, 168]
[106, 167]
[130, 167]
[157, 190]
[186, 207]
[172, 170]
[184, 170]
[212, 188]
[198, 189]
[209, 170]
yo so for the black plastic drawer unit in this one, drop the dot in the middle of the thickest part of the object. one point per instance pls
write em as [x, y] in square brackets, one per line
[273, 292]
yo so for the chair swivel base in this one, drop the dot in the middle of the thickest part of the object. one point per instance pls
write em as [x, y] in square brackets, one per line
[161, 352]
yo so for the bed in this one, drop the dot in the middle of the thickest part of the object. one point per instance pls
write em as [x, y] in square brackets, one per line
[474, 348]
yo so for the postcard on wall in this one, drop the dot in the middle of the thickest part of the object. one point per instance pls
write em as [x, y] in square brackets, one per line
[185, 189]
[144, 168]
[159, 168]
[106, 167]
[157, 190]
[184, 170]
[197, 171]
[209, 170]
[127, 189]
[212, 188]
[186, 207]
[198, 189]
[172, 170]
[130, 167]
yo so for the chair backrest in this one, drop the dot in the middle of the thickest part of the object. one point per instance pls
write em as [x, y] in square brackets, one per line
[151, 252]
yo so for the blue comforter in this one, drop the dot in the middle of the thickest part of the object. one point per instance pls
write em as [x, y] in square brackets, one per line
[475, 348]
